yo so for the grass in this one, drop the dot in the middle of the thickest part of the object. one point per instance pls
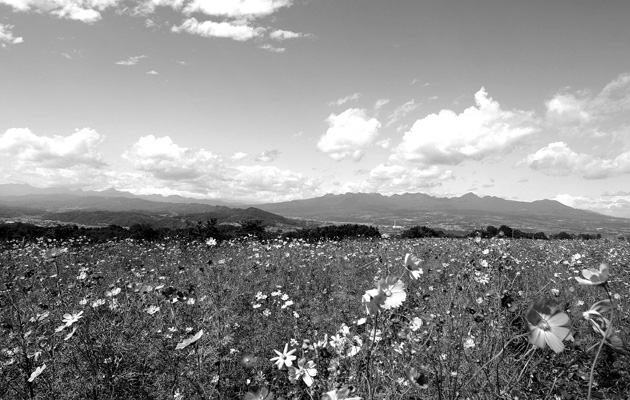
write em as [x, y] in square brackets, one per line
[176, 320]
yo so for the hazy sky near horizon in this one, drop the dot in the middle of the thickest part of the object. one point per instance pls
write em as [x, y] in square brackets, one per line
[273, 100]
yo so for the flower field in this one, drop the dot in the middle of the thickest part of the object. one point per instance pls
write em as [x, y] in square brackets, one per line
[368, 319]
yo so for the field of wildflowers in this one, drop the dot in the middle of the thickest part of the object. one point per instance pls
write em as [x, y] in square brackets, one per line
[364, 319]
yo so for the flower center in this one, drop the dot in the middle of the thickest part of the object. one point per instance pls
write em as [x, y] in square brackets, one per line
[387, 292]
[544, 325]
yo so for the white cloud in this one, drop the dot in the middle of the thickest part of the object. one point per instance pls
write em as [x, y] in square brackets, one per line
[268, 183]
[389, 179]
[238, 156]
[72, 161]
[349, 134]
[272, 49]
[380, 103]
[238, 9]
[152, 72]
[167, 161]
[87, 11]
[281, 35]
[268, 155]
[133, 60]
[582, 107]
[343, 100]
[478, 132]
[6, 36]
[558, 159]
[237, 31]
[27, 149]
[401, 112]
[618, 206]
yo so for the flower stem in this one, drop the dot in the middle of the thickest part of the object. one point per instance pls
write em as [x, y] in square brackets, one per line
[607, 332]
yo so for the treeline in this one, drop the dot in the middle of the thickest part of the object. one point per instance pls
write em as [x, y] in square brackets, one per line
[251, 229]
[491, 231]
[334, 232]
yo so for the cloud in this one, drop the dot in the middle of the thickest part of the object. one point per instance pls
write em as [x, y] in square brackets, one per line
[281, 35]
[30, 150]
[165, 166]
[237, 31]
[401, 111]
[167, 161]
[87, 11]
[618, 206]
[557, 159]
[6, 36]
[272, 49]
[152, 72]
[478, 132]
[237, 9]
[268, 155]
[349, 134]
[380, 103]
[344, 100]
[133, 60]
[583, 108]
[238, 156]
[392, 178]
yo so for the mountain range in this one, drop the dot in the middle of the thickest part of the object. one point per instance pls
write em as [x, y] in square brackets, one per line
[456, 214]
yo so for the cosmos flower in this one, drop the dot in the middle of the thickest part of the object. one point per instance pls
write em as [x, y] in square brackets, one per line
[394, 290]
[412, 265]
[594, 277]
[284, 358]
[372, 300]
[37, 372]
[305, 370]
[547, 325]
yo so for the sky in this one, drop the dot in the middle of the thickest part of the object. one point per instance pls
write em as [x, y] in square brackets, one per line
[273, 100]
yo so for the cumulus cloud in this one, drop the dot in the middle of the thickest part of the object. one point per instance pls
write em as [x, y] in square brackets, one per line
[349, 134]
[478, 132]
[164, 165]
[28, 149]
[233, 30]
[617, 206]
[133, 60]
[167, 161]
[6, 36]
[558, 159]
[72, 161]
[237, 9]
[343, 100]
[152, 72]
[392, 178]
[87, 11]
[268, 155]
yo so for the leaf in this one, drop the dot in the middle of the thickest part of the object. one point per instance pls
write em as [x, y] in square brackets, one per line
[186, 342]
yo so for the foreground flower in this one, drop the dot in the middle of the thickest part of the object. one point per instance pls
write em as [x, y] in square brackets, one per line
[284, 358]
[548, 325]
[391, 288]
[594, 277]
[70, 319]
[305, 370]
[412, 265]
[261, 394]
